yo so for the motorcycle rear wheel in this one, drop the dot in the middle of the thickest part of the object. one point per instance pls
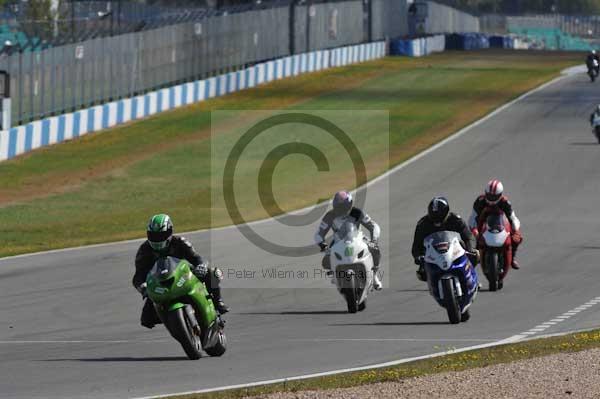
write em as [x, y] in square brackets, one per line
[362, 306]
[465, 316]
[220, 347]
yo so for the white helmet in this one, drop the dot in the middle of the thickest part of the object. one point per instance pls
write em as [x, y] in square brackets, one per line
[493, 191]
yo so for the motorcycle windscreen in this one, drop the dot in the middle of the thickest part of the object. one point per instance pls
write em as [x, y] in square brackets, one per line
[164, 268]
[441, 240]
[495, 222]
[347, 232]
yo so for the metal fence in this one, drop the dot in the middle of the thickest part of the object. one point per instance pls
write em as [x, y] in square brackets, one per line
[65, 78]
[587, 26]
[428, 17]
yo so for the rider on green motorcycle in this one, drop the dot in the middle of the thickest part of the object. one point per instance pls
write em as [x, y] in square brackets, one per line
[161, 242]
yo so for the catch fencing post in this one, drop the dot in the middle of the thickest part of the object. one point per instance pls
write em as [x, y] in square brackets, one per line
[6, 103]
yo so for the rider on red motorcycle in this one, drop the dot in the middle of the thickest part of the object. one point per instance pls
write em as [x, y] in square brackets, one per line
[493, 201]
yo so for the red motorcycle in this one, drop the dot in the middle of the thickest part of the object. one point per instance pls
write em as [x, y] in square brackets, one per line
[495, 246]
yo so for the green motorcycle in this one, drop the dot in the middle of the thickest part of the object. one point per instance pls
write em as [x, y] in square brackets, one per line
[186, 308]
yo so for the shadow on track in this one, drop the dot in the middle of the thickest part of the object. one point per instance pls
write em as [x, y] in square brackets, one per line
[585, 143]
[314, 312]
[588, 247]
[385, 323]
[413, 290]
[123, 359]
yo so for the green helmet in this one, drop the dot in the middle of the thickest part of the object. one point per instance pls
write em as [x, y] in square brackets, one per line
[160, 231]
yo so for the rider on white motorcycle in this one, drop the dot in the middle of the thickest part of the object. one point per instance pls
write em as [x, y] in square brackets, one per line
[342, 212]
[439, 218]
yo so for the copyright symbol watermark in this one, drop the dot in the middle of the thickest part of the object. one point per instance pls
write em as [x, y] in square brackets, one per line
[265, 164]
[266, 171]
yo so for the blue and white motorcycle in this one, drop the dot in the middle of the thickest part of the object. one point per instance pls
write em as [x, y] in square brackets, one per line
[451, 277]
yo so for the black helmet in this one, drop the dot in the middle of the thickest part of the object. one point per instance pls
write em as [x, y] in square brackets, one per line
[342, 203]
[159, 232]
[438, 210]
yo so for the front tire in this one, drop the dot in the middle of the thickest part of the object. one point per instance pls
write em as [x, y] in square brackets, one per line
[181, 329]
[492, 268]
[350, 295]
[450, 300]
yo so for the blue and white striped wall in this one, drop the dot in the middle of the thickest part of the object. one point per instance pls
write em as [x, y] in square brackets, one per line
[418, 47]
[21, 139]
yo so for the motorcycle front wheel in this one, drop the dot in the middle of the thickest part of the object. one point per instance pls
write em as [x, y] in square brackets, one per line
[350, 294]
[450, 301]
[492, 269]
[181, 329]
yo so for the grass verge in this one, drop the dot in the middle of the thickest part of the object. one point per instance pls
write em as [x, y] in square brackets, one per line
[103, 187]
[448, 363]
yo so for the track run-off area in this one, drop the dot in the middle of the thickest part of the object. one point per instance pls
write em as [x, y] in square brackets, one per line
[69, 319]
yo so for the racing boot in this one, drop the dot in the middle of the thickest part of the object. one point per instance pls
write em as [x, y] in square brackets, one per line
[515, 264]
[218, 301]
[421, 273]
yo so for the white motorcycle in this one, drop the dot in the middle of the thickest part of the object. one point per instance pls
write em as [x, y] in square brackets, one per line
[352, 264]
[451, 277]
[596, 128]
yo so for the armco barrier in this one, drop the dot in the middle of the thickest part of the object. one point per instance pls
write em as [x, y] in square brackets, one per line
[418, 47]
[22, 139]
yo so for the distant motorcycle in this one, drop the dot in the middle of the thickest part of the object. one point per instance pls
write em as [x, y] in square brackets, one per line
[451, 277]
[352, 265]
[593, 69]
[185, 307]
[495, 246]
[596, 127]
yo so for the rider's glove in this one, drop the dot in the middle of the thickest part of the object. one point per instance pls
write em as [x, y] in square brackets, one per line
[200, 271]
[419, 260]
[143, 290]
[323, 246]
[475, 257]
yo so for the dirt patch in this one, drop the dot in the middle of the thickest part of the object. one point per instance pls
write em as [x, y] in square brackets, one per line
[566, 375]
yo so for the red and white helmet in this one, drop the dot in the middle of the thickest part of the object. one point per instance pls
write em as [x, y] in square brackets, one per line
[493, 191]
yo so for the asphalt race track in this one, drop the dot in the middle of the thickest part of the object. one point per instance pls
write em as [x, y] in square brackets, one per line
[69, 320]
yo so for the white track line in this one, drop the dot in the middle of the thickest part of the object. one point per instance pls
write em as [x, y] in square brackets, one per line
[565, 316]
[393, 339]
[369, 183]
[24, 342]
